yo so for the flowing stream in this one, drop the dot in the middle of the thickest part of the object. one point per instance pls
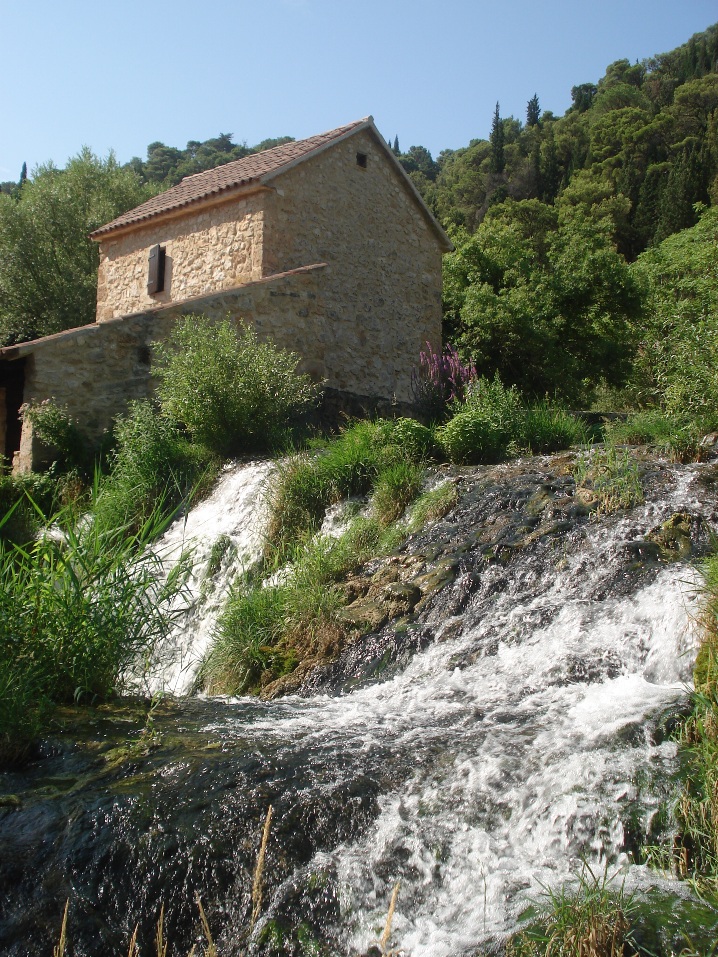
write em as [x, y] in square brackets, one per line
[516, 725]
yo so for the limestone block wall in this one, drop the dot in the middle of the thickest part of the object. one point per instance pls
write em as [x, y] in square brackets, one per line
[96, 370]
[216, 247]
[383, 288]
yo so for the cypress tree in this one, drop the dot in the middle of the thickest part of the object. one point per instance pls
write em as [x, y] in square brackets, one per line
[498, 161]
[533, 111]
[396, 146]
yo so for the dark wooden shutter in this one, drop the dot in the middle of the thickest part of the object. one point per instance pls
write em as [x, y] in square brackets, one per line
[156, 275]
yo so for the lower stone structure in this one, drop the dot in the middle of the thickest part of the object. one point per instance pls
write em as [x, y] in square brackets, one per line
[96, 370]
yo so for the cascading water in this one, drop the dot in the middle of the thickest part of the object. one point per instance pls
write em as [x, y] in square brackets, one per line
[222, 537]
[512, 728]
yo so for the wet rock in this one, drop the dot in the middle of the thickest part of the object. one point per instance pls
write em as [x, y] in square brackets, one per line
[673, 538]
[400, 598]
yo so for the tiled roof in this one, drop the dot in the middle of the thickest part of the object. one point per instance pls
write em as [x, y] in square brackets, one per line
[256, 167]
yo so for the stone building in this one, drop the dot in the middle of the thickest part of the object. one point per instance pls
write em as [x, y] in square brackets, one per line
[323, 244]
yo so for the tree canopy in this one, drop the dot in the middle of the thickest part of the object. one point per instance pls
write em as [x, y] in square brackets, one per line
[48, 263]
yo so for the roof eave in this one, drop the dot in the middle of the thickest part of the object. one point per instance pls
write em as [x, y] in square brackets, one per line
[214, 199]
[446, 243]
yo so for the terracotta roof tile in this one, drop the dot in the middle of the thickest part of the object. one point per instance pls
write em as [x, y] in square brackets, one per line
[253, 168]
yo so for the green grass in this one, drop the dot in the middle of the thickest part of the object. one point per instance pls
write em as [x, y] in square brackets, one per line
[494, 424]
[367, 456]
[265, 630]
[433, 505]
[153, 463]
[588, 919]
[79, 611]
[611, 475]
[678, 437]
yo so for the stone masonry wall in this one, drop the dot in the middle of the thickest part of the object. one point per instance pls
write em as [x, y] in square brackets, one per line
[214, 248]
[383, 288]
[96, 370]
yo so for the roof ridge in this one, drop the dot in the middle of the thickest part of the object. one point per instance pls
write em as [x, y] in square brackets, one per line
[256, 167]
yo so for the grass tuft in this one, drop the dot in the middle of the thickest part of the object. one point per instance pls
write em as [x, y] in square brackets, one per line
[611, 475]
[591, 919]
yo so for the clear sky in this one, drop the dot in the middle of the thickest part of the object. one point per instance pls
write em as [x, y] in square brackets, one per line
[120, 75]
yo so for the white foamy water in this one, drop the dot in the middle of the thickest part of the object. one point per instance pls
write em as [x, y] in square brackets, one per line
[227, 526]
[508, 753]
[525, 744]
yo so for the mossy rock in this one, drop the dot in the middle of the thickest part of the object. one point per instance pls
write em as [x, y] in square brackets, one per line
[673, 537]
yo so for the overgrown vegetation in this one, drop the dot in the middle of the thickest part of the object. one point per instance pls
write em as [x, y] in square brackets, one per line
[267, 628]
[229, 391]
[84, 596]
[81, 607]
[610, 475]
[493, 423]
[695, 853]
[589, 919]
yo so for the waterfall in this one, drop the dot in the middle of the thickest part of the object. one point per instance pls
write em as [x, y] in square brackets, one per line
[222, 536]
[518, 729]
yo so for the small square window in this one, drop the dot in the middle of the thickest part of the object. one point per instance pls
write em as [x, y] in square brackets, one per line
[361, 160]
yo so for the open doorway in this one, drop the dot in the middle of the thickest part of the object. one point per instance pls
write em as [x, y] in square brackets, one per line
[12, 388]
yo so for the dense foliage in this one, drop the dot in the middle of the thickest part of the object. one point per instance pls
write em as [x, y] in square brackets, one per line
[678, 353]
[541, 295]
[230, 391]
[48, 263]
[644, 138]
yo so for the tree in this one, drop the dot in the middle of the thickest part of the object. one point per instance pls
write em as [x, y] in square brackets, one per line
[395, 148]
[533, 111]
[48, 264]
[582, 96]
[546, 301]
[678, 353]
[498, 161]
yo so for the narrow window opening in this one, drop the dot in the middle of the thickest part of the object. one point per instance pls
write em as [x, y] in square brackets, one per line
[361, 160]
[156, 275]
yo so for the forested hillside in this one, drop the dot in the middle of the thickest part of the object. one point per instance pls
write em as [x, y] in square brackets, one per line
[641, 144]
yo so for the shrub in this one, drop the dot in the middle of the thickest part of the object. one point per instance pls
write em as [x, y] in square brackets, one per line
[55, 427]
[152, 463]
[414, 439]
[79, 611]
[231, 392]
[492, 422]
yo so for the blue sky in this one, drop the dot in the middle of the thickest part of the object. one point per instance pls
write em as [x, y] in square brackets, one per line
[121, 75]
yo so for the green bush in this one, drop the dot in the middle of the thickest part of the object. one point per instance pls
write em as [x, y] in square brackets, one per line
[54, 427]
[230, 391]
[78, 612]
[152, 462]
[414, 439]
[493, 423]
